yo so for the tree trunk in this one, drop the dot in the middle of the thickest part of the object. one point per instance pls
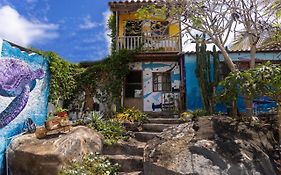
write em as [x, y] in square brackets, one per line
[234, 109]
[89, 101]
[253, 56]
[249, 108]
[279, 120]
[226, 56]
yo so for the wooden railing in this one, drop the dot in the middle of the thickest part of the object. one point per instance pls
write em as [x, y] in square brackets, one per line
[149, 43]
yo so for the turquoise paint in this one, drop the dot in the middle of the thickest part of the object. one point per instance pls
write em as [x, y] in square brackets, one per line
[193, 94]
[157, 97]
[193, 97]
[175, 76]
[152, 65]
[37, 106]
[147, 95]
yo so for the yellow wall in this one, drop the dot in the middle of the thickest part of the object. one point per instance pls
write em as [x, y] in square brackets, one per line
[174, 29]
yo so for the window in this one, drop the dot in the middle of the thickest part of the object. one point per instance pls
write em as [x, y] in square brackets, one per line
[160, 28]
[133, 28]
[161, 81]
[133, 86]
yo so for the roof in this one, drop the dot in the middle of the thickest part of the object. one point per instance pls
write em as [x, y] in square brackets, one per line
[126, 6]
[272, 48]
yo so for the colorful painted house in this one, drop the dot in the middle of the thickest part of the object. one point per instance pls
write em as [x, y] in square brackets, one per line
[154, 81]
[240, 57]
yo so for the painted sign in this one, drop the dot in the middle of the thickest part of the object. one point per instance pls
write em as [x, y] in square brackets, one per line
[24, 89]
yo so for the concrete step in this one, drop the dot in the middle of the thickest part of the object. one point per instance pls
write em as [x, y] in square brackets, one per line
[164, 120]
[128, 163]
[135, 148]
[131, 173]
[145, 136]
[152, 127]
[162, 115]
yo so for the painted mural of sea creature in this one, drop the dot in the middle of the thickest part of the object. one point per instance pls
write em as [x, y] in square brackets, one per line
[17, 79]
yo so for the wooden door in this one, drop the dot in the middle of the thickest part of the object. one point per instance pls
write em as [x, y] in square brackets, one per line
[133, 96]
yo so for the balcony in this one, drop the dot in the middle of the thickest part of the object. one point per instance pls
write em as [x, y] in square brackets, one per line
[150, 43]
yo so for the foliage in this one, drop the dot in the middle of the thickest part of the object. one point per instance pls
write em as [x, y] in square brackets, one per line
[131, 115]
[204, 74]
[60, 109]
[91, 165]
[193, 115]
[264, 80]
[111, 129]
[111, 23]
[63, 73]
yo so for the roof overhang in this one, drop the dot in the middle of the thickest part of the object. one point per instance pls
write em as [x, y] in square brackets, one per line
[128, 6]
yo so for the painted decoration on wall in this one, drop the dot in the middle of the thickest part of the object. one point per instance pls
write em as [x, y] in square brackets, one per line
[157, 101]
[17, 79]
[24, 90]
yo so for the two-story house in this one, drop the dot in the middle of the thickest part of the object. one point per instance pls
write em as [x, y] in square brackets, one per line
[154, 80]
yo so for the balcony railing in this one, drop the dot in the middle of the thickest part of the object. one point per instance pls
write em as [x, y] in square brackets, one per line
[149, 43]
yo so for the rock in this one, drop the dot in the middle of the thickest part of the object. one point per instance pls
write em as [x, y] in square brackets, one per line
[218, 146]
[28, 155]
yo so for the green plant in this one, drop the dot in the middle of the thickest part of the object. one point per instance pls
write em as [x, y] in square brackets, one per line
[131, 115]
[60, 109]
[62, 83]
[111, 129]
[185, 116]
[204, 73]
[91, 165]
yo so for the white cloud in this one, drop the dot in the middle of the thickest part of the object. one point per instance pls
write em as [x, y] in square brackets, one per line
[22, 31]
[106, 16]
[88, 23]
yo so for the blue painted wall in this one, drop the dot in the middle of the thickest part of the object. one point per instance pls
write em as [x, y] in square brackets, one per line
[193, 97]
[37, 105]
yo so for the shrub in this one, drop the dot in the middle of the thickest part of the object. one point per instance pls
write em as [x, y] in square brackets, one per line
[91, 165]
[112, 130]
[131, 115]
[185, 116]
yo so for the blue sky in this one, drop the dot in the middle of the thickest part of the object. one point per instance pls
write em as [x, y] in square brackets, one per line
[75, 29]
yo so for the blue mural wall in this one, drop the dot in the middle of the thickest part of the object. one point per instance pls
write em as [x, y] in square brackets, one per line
[154, 101]
[193, 97]
[24, 90]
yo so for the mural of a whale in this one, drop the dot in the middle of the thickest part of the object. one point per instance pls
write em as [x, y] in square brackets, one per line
[17, 79]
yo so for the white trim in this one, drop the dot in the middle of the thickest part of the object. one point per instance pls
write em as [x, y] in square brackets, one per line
[1, 44]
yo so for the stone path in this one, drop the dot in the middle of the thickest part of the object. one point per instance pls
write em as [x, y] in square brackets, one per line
[130, 154]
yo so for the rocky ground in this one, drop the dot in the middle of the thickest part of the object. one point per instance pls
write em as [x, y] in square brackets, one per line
[28, 155]
[214, 146]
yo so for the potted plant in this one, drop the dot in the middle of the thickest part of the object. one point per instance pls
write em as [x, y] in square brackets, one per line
[61, 112]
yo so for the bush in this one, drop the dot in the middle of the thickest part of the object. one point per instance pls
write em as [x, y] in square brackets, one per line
[185, 116]
[131, 115]
[91, 165]
[112, 130]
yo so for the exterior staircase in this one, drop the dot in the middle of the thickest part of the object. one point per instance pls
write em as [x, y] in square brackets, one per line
[129, 154]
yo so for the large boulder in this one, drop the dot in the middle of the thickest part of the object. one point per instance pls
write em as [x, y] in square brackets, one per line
[211, 146]
[28, 155]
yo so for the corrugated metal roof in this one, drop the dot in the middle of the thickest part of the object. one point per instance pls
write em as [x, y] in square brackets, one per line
[271, 48]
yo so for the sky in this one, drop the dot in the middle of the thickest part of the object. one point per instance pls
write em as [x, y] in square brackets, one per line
[75, 29]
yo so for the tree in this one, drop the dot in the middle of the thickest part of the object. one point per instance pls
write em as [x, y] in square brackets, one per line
[257, 25]
[218, 19]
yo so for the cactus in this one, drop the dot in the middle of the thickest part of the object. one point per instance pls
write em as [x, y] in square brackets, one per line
[208, 78]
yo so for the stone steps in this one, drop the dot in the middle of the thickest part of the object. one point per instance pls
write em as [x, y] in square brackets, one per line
[164, 120]
[125, 148]
[145, 136]
[131, 173]
[129, 154]
[156, 127]
[128, 163]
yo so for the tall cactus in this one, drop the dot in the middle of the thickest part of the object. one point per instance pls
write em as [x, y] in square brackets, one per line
[208, 78]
